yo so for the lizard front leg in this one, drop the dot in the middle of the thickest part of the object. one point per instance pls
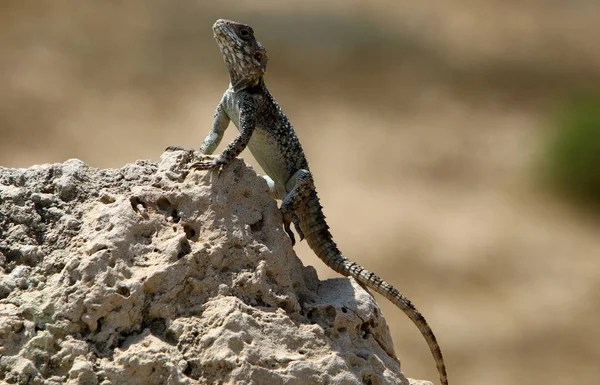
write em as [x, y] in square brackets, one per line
[287, 213]
[233, 149]
[220, 122]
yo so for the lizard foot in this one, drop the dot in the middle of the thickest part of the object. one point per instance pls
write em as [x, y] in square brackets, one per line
[296, 221]
[290, 217]
[208, 162]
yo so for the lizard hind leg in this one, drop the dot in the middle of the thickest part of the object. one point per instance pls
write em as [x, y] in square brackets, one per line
[288, 215]
[300, 187]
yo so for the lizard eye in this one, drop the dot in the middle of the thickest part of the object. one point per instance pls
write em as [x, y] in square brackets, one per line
[258, 56]
[244, 32]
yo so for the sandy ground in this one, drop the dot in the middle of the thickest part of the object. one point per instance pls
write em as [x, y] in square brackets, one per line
[423, 125]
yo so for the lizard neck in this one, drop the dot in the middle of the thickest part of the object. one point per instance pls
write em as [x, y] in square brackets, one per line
[239, 82]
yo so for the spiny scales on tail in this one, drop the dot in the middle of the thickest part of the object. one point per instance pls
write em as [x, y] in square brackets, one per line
[266, 131]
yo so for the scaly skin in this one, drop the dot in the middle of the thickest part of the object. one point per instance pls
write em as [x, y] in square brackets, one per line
[265, 129]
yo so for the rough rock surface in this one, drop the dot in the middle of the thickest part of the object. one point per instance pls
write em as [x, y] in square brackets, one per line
[152, 274]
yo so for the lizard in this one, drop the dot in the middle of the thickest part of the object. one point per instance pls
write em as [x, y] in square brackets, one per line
[265, 129]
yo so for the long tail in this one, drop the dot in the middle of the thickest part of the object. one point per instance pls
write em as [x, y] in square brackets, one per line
[316, 231]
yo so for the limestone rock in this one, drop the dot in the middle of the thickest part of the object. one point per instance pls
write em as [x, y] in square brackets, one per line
[154, 274]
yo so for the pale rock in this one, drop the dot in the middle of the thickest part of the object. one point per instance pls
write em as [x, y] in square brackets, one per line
[155, 274]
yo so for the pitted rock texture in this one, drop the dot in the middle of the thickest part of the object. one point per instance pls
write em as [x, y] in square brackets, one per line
[153, 274]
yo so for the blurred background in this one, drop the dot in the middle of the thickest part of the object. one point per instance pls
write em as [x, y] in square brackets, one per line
[455, 146]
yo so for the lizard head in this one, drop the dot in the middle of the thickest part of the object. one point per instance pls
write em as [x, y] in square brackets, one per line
[245, 57]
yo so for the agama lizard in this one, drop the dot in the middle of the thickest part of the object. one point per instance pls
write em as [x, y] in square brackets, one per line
[265, 129]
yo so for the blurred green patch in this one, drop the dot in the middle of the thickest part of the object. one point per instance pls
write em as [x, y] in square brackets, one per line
[572, 158]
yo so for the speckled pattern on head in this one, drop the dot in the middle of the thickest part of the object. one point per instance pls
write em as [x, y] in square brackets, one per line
[266, 131]
[245, 57]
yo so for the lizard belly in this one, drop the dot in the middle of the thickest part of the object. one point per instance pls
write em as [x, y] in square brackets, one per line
[264, 149]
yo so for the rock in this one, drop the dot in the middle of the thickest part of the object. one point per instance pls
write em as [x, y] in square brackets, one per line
[154, 274]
